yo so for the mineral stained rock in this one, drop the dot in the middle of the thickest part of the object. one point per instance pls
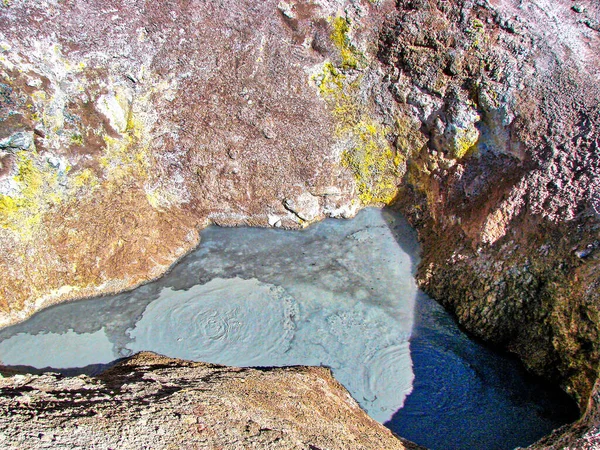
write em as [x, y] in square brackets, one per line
[149, 401]
[125, 126]
[505, 190]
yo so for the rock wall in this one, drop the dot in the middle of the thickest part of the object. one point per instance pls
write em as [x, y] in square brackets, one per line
[149, 401]
[126, 127]
[504, 190]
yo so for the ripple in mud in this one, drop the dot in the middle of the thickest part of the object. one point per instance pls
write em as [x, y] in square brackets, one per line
[340, 294]
[234, 322]
[249, 323]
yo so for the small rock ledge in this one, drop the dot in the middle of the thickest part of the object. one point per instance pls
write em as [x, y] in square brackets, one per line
[150, 401]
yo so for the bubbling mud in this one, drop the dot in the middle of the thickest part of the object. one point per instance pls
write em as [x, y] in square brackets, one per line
[340, 294]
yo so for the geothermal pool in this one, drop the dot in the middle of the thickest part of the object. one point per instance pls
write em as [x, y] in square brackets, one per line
[340, 294]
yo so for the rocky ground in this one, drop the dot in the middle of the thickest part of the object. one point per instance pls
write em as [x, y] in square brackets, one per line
[149, 401]
[126, 127]
[506, 190]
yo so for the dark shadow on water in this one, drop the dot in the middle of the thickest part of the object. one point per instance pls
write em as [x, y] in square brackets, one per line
[467, 396]
[404, 234]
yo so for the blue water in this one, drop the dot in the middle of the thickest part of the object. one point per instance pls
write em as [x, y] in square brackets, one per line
[467, 396]
[340, 294]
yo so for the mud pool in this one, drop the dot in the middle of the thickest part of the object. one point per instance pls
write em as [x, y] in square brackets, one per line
[340, 294]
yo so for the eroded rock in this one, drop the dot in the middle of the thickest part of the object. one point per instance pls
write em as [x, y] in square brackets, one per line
[504, 222]
[158, 402]
[148, 123]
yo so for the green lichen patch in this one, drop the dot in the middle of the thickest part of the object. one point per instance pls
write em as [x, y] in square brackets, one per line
[42, 181]
[368, 153]
[409, 138]
[464, 142]
[85, 179]
[372, 162]
[340, 36]
[38, 189]
[77, 139]
[126, 157]
[479, 39]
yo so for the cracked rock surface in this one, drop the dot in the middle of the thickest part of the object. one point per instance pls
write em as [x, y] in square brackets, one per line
[125, 127]
[502, 182]
[149, 401]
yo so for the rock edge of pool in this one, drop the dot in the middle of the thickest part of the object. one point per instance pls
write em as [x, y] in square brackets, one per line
[340, 294]
[150, 401]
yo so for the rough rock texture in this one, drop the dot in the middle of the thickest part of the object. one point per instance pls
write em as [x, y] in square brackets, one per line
[126, 126]
[149, 401]
[583, 435]
[503, 183]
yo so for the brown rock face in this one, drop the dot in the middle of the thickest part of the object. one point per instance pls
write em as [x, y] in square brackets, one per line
[126, 126]
[149, 401]
[505, 190]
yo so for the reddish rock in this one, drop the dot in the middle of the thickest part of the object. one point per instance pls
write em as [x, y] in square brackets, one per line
[151, 122]
[126, 126]
[505, 190]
